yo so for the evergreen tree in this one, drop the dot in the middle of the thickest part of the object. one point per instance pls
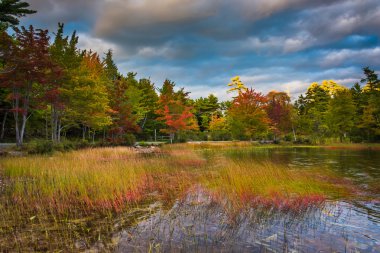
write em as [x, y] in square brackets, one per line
[110, 67]
[11, 11]
[341, 114]
[204, 108]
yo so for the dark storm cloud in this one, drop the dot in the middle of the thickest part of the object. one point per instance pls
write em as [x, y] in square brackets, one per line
[81, 12]
[202, 43]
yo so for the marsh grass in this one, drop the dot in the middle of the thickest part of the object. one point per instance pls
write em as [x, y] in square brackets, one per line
[72, 200]
[274, 186]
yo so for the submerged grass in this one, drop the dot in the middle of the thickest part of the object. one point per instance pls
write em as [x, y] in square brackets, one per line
[271, 185]
[79, 195]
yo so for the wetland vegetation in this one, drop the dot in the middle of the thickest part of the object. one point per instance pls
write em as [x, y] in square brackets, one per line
[106, 199]
[79, 171]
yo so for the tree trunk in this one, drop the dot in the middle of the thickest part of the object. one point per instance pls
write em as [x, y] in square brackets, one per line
[16, 104]
[20, 130]
[23, 126]
[55, 124]
[56, 127]
[294, 133]
[52, 124]
[84, 132]
[3, 125]
[145, 118]
[46, 127]
[59, 131]
[25, 114]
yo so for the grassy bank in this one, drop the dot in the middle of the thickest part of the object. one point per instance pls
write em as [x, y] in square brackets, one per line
[242, 144]
[81, 195]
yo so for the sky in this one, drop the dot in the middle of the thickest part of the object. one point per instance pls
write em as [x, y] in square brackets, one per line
[200, 44]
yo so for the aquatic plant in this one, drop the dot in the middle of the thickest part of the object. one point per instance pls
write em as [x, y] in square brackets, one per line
[81, 194]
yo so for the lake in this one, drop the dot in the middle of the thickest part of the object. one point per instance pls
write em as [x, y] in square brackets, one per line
[196, 223]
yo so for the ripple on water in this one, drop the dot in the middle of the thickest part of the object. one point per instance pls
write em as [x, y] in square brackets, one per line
[200, 224]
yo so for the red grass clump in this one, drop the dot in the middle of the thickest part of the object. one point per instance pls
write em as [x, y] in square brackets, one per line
[283, 203]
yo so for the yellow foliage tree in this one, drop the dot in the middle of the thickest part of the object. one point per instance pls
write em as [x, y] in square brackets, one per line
[237, 84]
[218, 123]
[331, 87]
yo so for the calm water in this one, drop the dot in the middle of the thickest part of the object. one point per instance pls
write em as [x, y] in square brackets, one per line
[361, 166]
[197, 224]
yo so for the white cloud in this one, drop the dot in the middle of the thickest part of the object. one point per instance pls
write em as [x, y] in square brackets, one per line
[100, 46]
[334, 21]
[168, 50]
[298, 43]
[249, 80]
[367, 56]
[150, 52]
[279, 44]
[295, 88]
[348, 82]
[219, 91]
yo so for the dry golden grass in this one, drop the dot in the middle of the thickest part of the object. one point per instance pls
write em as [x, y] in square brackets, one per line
[113, 178]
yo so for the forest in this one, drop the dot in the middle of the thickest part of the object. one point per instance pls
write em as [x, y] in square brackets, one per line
[53, 91]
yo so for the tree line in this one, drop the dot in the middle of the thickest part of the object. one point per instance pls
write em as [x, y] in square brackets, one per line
[51, 89]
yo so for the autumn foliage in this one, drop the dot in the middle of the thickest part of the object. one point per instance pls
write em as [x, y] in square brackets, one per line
[247, 114]
[53, 89]
[174, 112]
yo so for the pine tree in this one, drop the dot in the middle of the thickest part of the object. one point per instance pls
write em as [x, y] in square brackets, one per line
[11, 11]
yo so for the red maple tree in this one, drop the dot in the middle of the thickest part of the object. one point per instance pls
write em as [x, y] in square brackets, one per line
[279, 109]
[30, 57]
[174, 112]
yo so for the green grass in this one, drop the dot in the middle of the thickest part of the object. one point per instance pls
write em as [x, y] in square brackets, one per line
[81, 194]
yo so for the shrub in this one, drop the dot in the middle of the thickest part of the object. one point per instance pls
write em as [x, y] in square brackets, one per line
[129, 140]
[68, 145]
[40, 147]
[288, 137]
[220, 135]
[82, 144]
[357, 139]
[301, 140]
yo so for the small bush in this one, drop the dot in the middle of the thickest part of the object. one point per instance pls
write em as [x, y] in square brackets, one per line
[357, 139]
[301, 140]
[220, 135]
[288, 137]
[129, 140]
[68, 145]
[82, 144]
[59, 147]
[40, 147]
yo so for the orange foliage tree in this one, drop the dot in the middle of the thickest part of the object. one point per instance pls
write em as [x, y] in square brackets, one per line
[174, 111]
[247, 116]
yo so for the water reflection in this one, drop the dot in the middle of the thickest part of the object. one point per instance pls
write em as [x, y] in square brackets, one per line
[198, 224]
